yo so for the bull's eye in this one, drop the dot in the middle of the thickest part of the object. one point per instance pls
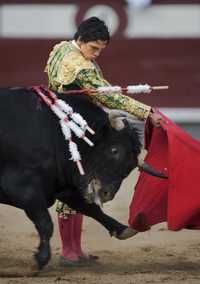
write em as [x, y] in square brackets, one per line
[114, 151]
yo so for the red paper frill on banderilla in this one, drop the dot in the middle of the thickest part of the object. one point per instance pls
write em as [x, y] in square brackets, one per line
[175, 200]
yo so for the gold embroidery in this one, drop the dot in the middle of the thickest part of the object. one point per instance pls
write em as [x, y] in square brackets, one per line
[64, 63]
[64, 211]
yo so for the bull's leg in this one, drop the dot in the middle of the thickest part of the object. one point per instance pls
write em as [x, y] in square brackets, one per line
[115, 228]
[44, 226]
[23, 189]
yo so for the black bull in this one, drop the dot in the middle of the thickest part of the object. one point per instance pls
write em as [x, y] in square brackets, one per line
[35, 169]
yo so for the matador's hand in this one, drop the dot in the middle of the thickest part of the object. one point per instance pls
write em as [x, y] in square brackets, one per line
[155, 118]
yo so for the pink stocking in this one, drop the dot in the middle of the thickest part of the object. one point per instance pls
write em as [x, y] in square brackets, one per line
[78, 222]
[66, 228]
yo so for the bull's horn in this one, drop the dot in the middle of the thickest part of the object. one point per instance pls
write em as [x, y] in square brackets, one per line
[117, 117]
[149, 170]
[117, 123]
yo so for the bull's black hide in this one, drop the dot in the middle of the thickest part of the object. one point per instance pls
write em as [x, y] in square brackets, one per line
[35, 169]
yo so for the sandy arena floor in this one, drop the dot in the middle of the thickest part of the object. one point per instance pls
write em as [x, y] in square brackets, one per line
[157, 256]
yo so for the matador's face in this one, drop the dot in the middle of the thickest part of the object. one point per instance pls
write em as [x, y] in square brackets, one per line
[92, 49]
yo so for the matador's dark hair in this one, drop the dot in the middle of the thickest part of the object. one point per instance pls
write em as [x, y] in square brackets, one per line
[92, 29]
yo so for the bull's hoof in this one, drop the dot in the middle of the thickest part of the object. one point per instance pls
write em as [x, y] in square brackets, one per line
[41, 260]
[125, 234]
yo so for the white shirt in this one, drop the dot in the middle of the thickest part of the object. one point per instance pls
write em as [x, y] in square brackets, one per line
[75, 44]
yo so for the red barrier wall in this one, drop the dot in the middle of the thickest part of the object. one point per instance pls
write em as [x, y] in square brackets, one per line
[173, 62]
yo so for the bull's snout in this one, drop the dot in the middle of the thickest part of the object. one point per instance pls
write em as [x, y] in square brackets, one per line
[96, 193]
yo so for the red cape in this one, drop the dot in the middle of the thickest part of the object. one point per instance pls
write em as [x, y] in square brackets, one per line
[175, 200]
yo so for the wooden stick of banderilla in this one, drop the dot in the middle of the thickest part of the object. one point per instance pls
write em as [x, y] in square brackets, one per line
[143, 88]
[117, 89]
[160, 88]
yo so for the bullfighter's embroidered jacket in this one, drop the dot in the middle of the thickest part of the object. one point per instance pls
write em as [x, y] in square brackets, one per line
[67, 65]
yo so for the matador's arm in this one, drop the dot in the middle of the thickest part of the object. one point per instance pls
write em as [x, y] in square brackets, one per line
[89, 78]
